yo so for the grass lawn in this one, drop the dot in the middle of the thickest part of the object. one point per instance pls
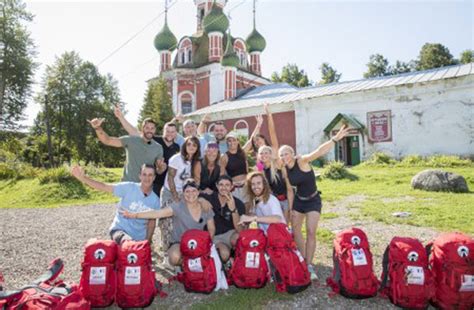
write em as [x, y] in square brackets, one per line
[29, 193]
[387, 190]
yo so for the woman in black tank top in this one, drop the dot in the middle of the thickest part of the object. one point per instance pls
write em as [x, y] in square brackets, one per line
[276, 175]
[210, 169]
[307, 202]
[234, 164]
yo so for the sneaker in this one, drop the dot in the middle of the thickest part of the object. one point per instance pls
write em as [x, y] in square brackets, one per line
[312, 273]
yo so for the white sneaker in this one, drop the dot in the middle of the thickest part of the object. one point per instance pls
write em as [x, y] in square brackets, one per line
[312, 273]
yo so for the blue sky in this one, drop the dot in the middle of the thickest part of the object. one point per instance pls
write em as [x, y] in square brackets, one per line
[308, 33]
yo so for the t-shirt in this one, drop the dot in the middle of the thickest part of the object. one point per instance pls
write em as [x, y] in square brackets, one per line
[272, 207]
[183, 221]
[133, 199]
[209, 137]
[168, 152]
[202, 143]
[183, 171]
[138, 152]
[222, 215]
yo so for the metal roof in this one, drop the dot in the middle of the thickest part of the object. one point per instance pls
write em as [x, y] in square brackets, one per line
[282, 92]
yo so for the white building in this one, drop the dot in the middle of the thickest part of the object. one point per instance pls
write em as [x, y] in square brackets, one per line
[425, 113]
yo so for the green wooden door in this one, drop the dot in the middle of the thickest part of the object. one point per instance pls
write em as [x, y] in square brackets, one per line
[355, 150]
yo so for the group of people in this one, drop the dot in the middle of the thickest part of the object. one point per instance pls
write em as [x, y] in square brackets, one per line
[202, 180]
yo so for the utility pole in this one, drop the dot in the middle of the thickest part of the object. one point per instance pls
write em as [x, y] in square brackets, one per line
[48, 131]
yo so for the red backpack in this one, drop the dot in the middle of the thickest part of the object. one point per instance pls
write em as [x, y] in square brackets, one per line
[46, 293]
[353, 275]
[199, 270]
[290, 270]
[136, 283]
[250, 269]
[98, 281]
[452, 264]
[406, 279]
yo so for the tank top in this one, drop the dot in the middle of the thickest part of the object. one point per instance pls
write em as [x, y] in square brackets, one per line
[236, 165]
[208, 180]
[305, 182]
[278, 187]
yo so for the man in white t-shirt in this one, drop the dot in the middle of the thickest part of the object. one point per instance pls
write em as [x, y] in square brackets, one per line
[267, 209]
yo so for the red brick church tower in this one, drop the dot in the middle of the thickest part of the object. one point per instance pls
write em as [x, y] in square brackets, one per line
[210, 65]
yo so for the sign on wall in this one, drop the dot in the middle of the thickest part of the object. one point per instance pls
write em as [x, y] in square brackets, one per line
[380, 126]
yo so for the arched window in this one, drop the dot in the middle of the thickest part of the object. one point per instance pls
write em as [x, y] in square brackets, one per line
[242, 128]
[239, 47]
[185, 51]
[186, 100]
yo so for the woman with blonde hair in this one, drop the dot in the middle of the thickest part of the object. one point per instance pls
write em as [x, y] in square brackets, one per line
[277, 178]
[307, 202]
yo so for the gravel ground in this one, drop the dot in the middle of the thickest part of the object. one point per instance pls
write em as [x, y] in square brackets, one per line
[31, 238]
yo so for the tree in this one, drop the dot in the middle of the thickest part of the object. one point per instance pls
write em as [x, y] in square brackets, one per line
[16, 62]
[328, 74]
[434, 55]
[157, 103]
[401, 67]
[467, 56]
[76, 91]
[377, 66]
[292, 75]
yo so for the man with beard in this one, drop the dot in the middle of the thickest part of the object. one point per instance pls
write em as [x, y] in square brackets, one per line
[167, 142]
[134, 197]
[189, 130]
[227, 211]
[265, 208]
[139, 150]
[219, 132]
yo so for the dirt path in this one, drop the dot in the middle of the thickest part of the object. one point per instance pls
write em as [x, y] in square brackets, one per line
[31, 238]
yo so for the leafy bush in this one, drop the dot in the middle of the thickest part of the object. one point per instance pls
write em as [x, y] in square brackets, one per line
[447, 161]
[100, 174]
[13, 169]
[412, 160]
[55, 175]
[337, 171]
[379, 159]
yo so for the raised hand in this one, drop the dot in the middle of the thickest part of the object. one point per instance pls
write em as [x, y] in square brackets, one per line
[344, 131]
[118, 111]
[259, 119]
[160, 166]
[266, 108]
[206, 118]
[77, 172]
[230, 201]
[96, 122]
[179, 117]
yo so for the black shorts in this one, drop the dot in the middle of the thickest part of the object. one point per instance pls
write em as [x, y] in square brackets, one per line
[305, 206]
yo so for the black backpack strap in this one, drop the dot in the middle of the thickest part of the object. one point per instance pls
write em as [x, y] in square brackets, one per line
[337, 268]
[53, 271]
[384, 281]
[428, 249]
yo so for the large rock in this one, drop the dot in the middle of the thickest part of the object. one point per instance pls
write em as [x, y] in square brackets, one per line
[439, 181]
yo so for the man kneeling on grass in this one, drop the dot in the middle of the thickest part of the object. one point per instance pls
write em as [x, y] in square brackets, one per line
[227, 211]
[134, 197]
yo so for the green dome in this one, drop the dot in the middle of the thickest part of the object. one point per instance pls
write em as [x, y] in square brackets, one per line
[165, 39]
[216, 20]
[255, 42]
[230, 58]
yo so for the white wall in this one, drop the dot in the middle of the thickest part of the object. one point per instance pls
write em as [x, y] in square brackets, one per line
[427, 118]
[216, 83]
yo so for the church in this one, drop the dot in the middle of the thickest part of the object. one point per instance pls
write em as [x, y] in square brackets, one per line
[418, 113]
[210, 65]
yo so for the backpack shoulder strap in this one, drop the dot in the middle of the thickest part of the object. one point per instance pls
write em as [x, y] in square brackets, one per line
[54, 270]
[383, 284]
